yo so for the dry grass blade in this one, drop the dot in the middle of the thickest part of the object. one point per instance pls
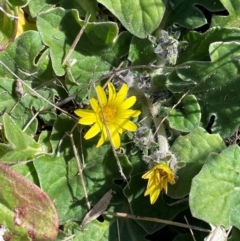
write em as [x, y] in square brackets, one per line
[98, 209]
[157, 220]
[75, 42]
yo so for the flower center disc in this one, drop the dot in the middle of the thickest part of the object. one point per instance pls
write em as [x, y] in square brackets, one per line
[107, 114]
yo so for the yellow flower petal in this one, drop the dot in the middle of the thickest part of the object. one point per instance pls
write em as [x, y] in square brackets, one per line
[114, 136]
[154, 196]
[94, 104]
[121, 95]
[111, 93]
[125, 114]
[93, 131]
[103, 137]
[101, 96]
[89, 120]
[150, 190]
[84, 113]
[128, 103]
[126, 124]
[165, 185]
[118, 128]
[137, 113]
[157, 177]
[147, 175]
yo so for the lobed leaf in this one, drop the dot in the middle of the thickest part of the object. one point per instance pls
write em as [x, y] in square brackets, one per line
[232, 20]
[26, 60]
[214, 85]
[193, 149]
[139, 17]
[38, 6]
[187, 14]
[186, 116]
[18, 3]
[97, 52]
[21, 146]
[198, 43]
[215, 195]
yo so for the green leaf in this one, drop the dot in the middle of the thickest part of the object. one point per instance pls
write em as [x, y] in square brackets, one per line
[141, 52]
[44, 140]
[101, 232]
[214, 85]
[188, 15]
[232, 20]
[214, 195]
[192, 149]
[96, 53]
[186, 116]
[18, 3]
[16, 137]
[108, 230]
[37, 6]
[183, 237]
[121, 45]
[84, 7]
[23, 147]
[58, 175]
[61, 183]
[27, 170]
[91, 48]
[4, 149]
[198, 43]
[28, 212]
[25, 59]
[139, 17]
[235, 234]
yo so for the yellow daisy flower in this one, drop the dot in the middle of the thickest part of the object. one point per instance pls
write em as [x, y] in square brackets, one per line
[158, 178]
[110, 116]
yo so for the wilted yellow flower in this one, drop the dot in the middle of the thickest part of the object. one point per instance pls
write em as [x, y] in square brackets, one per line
[158, 178]
[110, 116]
[23, 24]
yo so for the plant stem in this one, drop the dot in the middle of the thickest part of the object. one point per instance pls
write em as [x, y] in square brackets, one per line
[160, 128]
